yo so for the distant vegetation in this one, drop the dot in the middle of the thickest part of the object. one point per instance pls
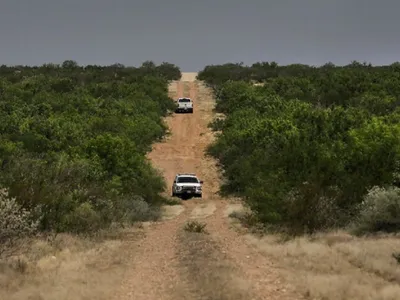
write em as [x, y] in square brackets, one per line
[311, 148]
[73, 141]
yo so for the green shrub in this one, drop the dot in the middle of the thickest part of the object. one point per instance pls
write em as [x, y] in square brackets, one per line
[380, 211]
[308, 209]
[304, 148]
[73, 140]
[134, 209]
[82, 219]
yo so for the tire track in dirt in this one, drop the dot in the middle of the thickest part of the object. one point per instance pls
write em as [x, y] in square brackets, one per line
[220, 265]
[179, 89]
[257, 276]
[154, 272]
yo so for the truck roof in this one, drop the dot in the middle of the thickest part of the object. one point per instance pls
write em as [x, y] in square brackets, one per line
[186, 174]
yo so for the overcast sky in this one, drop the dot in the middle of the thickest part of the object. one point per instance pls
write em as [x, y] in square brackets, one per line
[193, 34]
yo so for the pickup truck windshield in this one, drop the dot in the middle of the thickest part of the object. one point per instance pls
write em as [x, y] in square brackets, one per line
[184, 100]
[187, 180]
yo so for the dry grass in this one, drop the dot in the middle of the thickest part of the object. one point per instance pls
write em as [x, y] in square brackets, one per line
[234, 209]
[337, 265]
[66, 267]
[195, 226]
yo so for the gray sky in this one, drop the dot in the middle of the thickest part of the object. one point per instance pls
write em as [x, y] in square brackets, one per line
[193, 34]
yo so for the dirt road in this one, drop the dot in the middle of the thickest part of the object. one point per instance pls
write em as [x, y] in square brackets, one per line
[170, 263]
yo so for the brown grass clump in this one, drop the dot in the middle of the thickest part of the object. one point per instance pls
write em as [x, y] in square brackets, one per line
[62, 267]
[337, 265]
[195, 226]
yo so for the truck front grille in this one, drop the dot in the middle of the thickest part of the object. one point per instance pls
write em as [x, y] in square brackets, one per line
[188, 188]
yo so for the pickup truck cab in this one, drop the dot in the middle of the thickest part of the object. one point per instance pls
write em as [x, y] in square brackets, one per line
[184, 105]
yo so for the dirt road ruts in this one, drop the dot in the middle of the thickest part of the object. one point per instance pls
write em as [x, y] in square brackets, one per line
[170, 263]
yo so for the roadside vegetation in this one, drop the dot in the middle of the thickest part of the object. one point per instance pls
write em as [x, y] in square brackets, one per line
[195, 226]
[73, 141]
[73, 144]
[312, 148]
[314, 153]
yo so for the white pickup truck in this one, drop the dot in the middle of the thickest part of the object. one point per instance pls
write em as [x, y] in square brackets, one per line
[184, 105]
[187, 185]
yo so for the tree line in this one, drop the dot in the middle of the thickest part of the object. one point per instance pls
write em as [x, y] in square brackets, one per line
[310, 148]
[73, 141]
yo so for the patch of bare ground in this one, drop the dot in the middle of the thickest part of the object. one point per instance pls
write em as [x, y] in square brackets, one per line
[203, 210]
[154, 261]
[171, 211]
[234, 207]
[207, 270]
[65, 267]
[335, 265]
[170, 262]
[189, 76]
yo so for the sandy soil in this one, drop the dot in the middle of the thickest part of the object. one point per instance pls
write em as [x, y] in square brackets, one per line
[170, 263]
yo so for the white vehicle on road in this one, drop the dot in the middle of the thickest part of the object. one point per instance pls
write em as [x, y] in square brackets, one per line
[184, 105]
[187, 185]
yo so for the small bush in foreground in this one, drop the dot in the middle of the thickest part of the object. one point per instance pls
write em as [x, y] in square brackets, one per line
[15, 222]
[380, 211]
[195, 226]
[136, 209]
[396, 256]
[307, 210]
[248, 219]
